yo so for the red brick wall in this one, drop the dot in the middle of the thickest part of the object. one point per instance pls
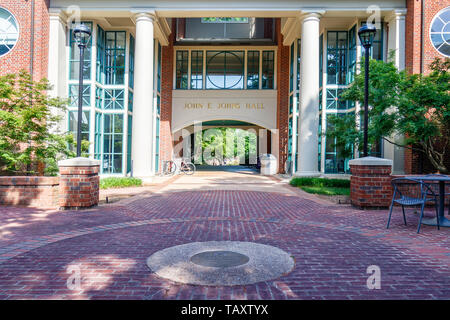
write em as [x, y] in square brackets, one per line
[370, 186]
[412, 36]
[414, 30]
[431, 9]
[165, 131]
[414, 161]
[79, 187]
[19, 58]
[29, 191]
[282, 96]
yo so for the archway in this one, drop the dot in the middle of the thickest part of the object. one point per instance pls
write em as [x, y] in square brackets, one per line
[224, 144]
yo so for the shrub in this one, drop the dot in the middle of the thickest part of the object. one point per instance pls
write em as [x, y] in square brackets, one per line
[119, 182]
[320, 182]
[30, 141]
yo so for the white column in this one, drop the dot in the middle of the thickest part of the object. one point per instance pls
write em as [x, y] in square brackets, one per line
[396, 43]
[142, 142]
[308, 145]
[397, 37]
[57, 59]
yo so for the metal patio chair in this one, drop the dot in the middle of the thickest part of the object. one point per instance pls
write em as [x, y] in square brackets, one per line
[412, 192]
[435, 187]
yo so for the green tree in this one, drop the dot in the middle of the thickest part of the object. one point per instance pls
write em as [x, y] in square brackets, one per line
[28, 126]
[414, 106]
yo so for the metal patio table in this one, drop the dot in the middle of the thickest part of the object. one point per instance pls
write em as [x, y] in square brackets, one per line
[443, 221]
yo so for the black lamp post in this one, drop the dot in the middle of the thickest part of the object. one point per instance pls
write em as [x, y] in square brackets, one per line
[81, 34]
[366, 35]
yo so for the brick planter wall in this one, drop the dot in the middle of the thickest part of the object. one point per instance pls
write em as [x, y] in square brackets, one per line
[370, 183]
[79, 183]
[29, 191]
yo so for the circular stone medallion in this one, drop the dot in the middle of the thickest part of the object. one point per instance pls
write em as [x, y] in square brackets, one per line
[219, 259]
[220, 263]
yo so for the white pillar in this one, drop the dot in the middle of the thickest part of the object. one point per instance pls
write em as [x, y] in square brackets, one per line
[142, 142]
[396, 43]
[308, 144]
[57, 59]
[397, 37]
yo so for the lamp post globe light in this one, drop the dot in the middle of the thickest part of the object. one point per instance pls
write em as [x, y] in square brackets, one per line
[82, 35]
[366, 35]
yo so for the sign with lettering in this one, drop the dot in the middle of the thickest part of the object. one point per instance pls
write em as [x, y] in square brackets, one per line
[254, 106]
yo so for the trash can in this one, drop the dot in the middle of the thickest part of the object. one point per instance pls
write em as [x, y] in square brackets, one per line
[268, 164]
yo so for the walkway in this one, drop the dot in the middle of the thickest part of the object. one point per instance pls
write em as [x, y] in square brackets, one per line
[332, 245]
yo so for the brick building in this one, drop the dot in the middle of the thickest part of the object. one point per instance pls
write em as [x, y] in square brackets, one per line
[157, 75]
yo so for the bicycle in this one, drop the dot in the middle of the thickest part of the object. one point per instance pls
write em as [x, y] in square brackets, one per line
[187, 167]
[169, 167]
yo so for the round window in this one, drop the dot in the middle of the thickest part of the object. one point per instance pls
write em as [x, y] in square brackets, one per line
[9, 31]
[440, 32]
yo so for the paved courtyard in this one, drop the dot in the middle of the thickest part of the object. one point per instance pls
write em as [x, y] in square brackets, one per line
[41, 251]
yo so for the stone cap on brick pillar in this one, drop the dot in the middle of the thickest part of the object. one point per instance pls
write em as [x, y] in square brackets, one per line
[78, 162]
[370, 161]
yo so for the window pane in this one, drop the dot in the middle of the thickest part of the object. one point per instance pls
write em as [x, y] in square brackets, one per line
[253, 70]
[73, 125]
[268, 70]
[196, 69]
[181, 70]
[337, 57]
[225, 70]
[73, 95]
[112, 143]
[74, 59]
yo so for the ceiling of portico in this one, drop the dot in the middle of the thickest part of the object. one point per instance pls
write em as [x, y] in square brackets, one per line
[222, 8]
[120, 14]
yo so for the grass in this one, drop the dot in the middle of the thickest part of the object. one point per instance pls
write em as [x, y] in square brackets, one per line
[119, 182]
[328, 191]
[329, 187]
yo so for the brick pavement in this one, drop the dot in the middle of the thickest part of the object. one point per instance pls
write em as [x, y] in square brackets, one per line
[332, 245]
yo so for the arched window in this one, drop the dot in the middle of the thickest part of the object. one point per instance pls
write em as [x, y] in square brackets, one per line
[9, 31]
[440, 32]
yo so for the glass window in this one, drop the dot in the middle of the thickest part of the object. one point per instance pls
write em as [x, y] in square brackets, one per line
[334, 162]
[100, 76]
[337, 57]
[224, 20]
[299, 50]
[73, 95]
[98, 97]
[225, 69]
[334, 100]
[73, 125]
[181, 81]
[9, 31]
[112, 143]
[351, 54]
[74, 59]
[291, 68]
[115, 57]
[196, 69]
[130, 100]
[320, 142]
[440, 32]
[376, 51]
[114, 99]
[131, 63]
[321, 60]
[130, 130]
[98, 136]
[158, 70]
[157, 144]
[268, 66]
[252, 69]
